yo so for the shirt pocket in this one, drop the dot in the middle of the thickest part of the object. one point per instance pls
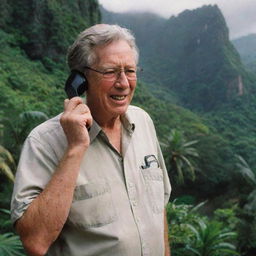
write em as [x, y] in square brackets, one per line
[92, 205]
[154, 184]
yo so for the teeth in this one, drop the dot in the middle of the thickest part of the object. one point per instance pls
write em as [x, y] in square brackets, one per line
[116, 97]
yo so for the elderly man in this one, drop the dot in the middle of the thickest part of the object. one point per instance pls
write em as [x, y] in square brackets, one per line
[92, 180]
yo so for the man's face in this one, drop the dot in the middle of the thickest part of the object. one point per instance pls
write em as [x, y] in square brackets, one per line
[110, 98]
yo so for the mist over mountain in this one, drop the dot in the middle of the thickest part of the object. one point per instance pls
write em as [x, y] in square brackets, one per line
[190, 54]
[246, 46]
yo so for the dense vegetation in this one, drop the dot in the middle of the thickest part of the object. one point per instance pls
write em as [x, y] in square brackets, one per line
[184, 66]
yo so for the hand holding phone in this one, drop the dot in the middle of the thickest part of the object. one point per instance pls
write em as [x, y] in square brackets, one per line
[75, 111]
[74, 120]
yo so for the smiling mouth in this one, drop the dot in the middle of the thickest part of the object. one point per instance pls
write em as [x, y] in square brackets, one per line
[118, 97]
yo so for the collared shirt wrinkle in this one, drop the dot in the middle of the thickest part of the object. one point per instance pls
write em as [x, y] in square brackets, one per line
[118, 203]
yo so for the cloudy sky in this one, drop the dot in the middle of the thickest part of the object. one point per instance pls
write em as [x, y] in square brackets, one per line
[240, 15]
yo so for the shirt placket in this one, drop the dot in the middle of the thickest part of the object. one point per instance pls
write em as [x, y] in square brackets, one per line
[132, 193]
[135, 206]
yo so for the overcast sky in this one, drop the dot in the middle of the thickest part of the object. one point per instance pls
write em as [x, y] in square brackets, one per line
[240, 15]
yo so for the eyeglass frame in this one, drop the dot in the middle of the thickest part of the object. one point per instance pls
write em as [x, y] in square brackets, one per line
[117, 73]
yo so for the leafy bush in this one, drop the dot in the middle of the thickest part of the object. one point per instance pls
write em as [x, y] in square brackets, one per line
[190, 233]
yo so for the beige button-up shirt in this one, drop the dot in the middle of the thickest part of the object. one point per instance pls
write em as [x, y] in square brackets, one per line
[119, 200]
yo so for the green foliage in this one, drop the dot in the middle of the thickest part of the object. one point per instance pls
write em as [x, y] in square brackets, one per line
[236, 124]
[216, 165]
[5, 222]
[178, 217]
[26, 85]
[246, 171]
[17, 129]
[211, 240]
[167, 116]
[46, 28]
[187, 59]
[178, 153]
[247, 221]
[194, 234]
[7, 163]
[228, 216]
[10, 245]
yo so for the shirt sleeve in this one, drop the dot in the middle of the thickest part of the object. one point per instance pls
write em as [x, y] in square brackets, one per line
[36, 165]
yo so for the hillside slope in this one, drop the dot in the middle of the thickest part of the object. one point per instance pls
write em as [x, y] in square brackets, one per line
[33, 68]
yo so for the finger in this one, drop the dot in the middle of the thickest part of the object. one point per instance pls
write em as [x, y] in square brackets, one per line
[66, 101]
[89, 121]
[71, 104]
[85, 115]
[81, 109]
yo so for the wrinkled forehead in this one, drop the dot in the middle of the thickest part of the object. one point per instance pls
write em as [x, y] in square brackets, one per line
[116, 51]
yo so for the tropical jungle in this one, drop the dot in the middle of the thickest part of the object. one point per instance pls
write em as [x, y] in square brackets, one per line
[198, 86]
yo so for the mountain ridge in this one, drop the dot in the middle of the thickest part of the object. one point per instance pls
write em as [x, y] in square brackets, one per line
[192, 48]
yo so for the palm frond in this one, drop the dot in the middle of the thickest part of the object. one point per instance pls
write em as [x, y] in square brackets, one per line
[8, 212]
[195, 251]
[6, 155]
[198, 206]
[180, 173]
[10, 244]
[245, 170]
[6, 170]
[187, 144]
[191, 167]
[194, 230]
[36, 115]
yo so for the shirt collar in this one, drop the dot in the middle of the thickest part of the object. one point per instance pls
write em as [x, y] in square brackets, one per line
[95, 129]
[127, 123]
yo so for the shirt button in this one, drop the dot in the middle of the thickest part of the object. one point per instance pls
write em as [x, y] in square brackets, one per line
[134, 203]
[130, 184]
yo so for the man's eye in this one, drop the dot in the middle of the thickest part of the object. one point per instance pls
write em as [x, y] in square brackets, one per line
[109, 72]
[130, 71]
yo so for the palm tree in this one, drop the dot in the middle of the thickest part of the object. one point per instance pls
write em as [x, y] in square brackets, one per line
[211, 240]
[179, 215]
[179, 153]
[6, 162]
[247, 225]
[246, 171]
[10, 243]
[17, 129]
[250, 178]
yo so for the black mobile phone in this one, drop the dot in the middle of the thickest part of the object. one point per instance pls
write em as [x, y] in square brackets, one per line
[76, 84]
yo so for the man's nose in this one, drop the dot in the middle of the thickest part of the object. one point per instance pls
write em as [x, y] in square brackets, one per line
[122, 79]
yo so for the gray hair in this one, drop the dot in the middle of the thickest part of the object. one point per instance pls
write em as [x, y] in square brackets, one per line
[81, 52]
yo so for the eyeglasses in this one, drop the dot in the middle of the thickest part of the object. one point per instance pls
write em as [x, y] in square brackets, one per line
[112, 74]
